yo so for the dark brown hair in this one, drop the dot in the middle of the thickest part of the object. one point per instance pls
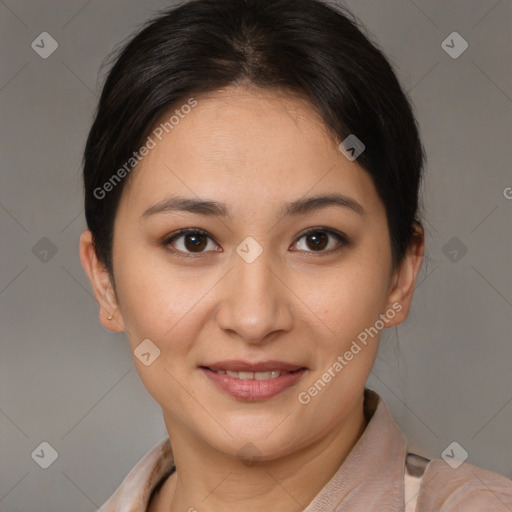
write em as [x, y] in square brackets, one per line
[305, 47]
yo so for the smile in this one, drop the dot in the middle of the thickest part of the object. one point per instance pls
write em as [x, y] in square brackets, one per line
[253, 385]
[272, 374]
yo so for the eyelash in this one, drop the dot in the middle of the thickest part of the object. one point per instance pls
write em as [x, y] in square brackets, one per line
[340, 237]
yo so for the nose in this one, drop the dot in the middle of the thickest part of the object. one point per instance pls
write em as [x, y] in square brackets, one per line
[256, 301]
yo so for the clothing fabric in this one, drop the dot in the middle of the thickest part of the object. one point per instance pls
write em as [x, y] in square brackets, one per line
[377, 475]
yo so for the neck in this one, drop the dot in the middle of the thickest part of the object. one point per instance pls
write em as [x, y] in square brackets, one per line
[206, 480]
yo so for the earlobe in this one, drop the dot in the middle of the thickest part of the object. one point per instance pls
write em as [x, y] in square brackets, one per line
[405, 276]
[98, 275]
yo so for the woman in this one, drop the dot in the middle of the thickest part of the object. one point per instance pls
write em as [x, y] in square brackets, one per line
[251, 193]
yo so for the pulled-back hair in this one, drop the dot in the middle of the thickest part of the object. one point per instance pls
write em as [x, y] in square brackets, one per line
[303, 47]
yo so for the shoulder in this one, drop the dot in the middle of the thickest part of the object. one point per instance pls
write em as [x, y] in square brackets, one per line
[466, 488]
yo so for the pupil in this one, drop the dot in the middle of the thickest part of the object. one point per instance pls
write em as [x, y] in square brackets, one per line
[318, 244]
[197, 244]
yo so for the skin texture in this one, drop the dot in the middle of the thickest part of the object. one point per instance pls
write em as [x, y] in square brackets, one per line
[254, 151]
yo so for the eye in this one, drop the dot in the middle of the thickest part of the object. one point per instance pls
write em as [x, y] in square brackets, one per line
[194, 241]
[318, 239]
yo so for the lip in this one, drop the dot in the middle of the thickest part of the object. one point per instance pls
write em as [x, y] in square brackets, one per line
[252, 389]
[237, 365]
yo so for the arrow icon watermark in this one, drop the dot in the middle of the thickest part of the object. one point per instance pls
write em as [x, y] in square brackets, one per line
[146, 352]
[352, 147]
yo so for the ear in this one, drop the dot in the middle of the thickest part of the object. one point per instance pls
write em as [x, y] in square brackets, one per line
[101, 283]
[404, 278]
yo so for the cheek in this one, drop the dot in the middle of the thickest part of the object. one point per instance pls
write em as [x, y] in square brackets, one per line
[155, 296]
[347, 299]
[349, 304]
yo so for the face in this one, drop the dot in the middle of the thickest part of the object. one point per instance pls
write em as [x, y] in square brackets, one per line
[268, 284]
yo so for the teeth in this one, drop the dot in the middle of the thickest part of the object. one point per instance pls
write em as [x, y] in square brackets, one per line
[266, 375]
[273, 374]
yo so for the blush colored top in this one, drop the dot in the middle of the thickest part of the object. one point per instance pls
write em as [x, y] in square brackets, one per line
[377, 475]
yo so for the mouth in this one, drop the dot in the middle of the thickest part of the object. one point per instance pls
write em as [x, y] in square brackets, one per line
[272, 374]
[253, 381]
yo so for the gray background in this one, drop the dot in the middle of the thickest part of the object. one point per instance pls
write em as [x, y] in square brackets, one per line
[64, 379]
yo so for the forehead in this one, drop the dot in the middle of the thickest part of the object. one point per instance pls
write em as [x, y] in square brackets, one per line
[235, 122]
[240, 142]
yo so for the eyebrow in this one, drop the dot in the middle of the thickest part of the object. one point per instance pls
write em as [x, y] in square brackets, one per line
[214, 208]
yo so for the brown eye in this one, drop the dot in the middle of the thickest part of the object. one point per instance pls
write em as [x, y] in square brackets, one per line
[194, 241]
[189, 241]
[316, 240]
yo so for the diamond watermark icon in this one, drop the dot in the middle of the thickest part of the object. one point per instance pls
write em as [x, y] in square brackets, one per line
[351, 147]
[44, 455]
[44, 249]
[454, 249]
[249, 249]
[249, 454]
[146, 352]
[454, 45]
[454, 455]
[44, 45]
